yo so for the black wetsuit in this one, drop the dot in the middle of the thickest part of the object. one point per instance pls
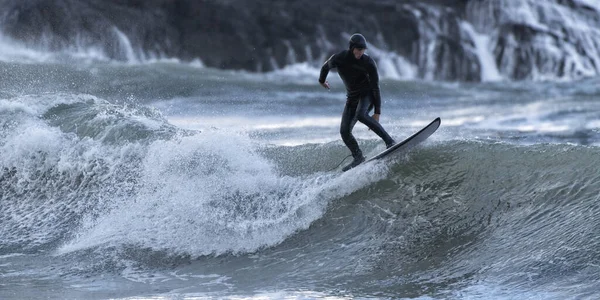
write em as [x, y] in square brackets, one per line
[362, 91]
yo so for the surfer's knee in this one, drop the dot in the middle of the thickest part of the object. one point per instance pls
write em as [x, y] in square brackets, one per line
[345, 127]
[363, 117]
[345, 132]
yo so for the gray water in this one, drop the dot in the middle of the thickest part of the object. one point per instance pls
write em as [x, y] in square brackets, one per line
[169, 180]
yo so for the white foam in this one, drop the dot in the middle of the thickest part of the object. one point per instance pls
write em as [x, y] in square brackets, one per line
[563, 31]
[391, 65]
[297, 123]
[460, 121]
[12, 255]
[489, 70]
[197, 63]
[595, 4]
[125, 46]
[250, 123]
[593, 125]
[84, 51]
[33, 148]
[12, 51]
[32, 138]
[302, 73]
[543, 127]
[211, 193]
[430, 65]
[35, 105]
[15, 106]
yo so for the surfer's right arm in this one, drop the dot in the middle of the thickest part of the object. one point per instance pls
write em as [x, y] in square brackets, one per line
[328, 65]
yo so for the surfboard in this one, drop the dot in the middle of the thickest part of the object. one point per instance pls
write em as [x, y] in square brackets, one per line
[411, 141]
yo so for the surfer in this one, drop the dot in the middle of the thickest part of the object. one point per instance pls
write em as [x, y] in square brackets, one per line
[359, 74]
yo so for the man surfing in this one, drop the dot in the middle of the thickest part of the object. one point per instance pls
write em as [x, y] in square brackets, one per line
[359, 74]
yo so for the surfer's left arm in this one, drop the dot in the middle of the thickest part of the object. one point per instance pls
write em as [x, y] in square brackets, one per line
[374, 84]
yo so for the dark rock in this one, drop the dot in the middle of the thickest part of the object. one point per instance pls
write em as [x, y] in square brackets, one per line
[264, 35]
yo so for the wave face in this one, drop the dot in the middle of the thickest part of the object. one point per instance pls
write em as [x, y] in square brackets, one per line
[439, 40]
[66, 157]
[125, 192]
[492, 213]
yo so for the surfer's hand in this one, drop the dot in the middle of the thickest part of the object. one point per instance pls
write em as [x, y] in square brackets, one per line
[325, 85]
[376, 117]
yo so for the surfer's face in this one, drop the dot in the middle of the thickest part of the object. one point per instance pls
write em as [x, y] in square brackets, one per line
[358, 52]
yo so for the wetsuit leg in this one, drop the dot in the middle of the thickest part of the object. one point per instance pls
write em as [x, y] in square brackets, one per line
[362, 115]
[348, 122]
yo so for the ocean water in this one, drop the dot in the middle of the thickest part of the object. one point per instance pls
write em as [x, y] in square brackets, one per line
[168, 180]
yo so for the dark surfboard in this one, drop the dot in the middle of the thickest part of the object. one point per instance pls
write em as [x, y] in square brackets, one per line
[411, 141]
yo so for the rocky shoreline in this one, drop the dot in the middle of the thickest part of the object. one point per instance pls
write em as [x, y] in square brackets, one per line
[525, 39]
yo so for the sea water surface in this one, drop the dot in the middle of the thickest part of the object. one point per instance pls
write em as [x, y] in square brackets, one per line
[169, 180]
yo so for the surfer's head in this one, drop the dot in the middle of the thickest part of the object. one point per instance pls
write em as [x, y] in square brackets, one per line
[357, 44]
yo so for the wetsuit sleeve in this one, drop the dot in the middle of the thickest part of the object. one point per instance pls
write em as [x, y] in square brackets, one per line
[328, 65]
[374, 84]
